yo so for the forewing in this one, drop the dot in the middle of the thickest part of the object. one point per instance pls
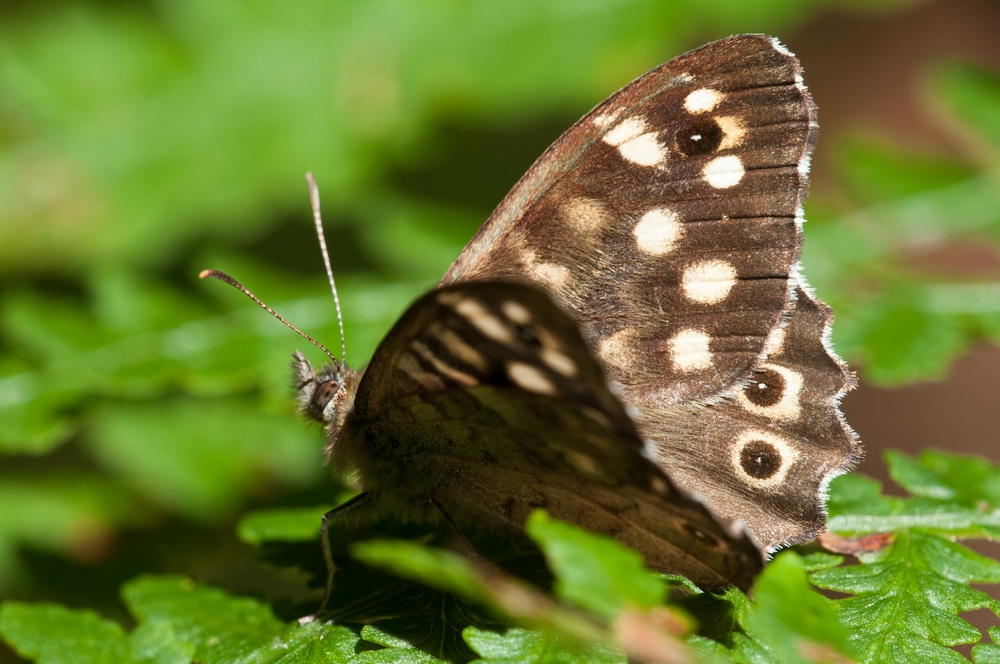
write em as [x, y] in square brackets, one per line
[667, 220]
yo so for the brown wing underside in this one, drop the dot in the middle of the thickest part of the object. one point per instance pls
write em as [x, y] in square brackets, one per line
[676, 268]
[778, 439]
[684, 282]
[485, 397]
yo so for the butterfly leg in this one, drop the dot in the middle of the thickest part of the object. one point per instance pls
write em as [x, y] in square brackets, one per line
[469, 551]
[355, 504]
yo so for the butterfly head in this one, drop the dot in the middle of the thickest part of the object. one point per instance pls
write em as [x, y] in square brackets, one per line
[326, 395]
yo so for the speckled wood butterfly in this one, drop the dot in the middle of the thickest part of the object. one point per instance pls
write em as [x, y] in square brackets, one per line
[627, 342]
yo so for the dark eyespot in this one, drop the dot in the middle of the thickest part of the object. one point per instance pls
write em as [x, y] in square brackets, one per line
[325, 391]
[766, 388]
[698, 137]
[528, 335]
[760, 460]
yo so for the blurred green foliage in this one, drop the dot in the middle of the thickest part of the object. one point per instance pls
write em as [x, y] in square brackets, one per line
[142, 142]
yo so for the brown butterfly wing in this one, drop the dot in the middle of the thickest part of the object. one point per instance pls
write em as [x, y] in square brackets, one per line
[779, 438]
[668, 223]
[485, 398]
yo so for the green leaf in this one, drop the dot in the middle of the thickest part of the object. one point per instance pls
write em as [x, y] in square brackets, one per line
[201, 458]
[71, 513]
[156, 643]
[179, 622]
[906, 599]
[988, 653]
[530, 647]
[505, 595]
[592, 571]
[907, 596]
[436, 568]
[52, 634]
[880, 171]
[296, 524]
[957, 497]
[974, 94]
[429, 621]
[221, 628]
[394, 649]
[818, 560]
[791, 618]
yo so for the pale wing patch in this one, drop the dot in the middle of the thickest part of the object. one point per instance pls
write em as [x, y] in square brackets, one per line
[658, 231]
[702, 100]
[625, 131]
[559, 362]
[516, 311]
[762, 459]
[689, 350]
[586, 215]
[644, 150]
[732, 131]
[616, 349]
[484, 321]
[635, 143]
[708, 282]
[554, 276]
[787, 406]
[529, 378]
[724, 172]
[775, 344]
[408, 364]
[461, 349]
[604, 120]
[443, 367]
[583, 462]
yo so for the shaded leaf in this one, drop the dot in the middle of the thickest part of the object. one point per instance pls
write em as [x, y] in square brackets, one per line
[592, 571]
[520, 645]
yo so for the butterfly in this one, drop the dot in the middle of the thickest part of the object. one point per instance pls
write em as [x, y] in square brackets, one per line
[627, 342]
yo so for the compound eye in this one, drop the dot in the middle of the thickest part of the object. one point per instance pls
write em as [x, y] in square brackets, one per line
[324, 393]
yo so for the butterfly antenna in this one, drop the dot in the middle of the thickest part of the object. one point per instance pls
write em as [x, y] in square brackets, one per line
[222, 276]
[314, 198]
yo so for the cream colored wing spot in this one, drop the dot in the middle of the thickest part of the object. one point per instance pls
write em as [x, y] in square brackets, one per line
[708, 282]
[689, 350]
[723, 172]
[460, 348]
[601, 419]
[559, 362]
[408, 364]
[516, 311]
[659, 486]
[586, 215]
[442, 367]
[583, 463]
[732, 132]
[529, 378]
[554, 276]
[775, 344]
[762, 459]
[605, 120]
[617, 349]
[773, 391]
[484, 321]
[635, 143]
[702, 100]
[658, 231]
